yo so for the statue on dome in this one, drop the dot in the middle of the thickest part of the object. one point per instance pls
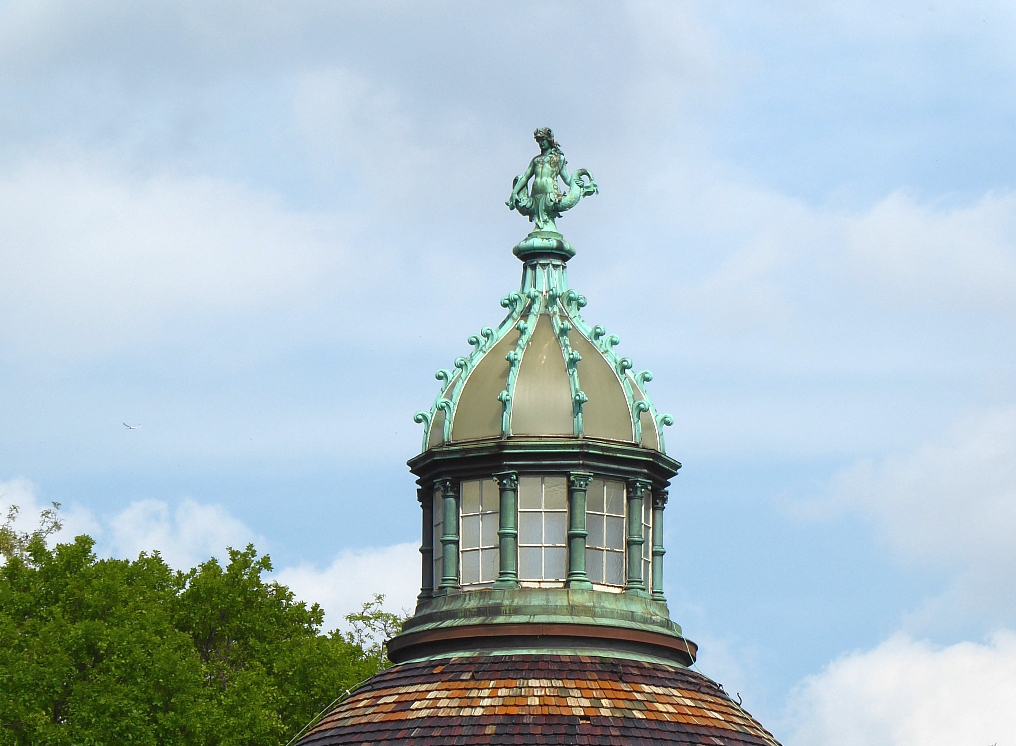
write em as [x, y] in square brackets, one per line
[545, 202]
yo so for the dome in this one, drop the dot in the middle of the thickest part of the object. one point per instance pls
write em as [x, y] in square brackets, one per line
[538, 699]
[543, 372]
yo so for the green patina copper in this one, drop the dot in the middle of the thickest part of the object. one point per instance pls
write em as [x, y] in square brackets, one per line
[543, 606]
[545, 201]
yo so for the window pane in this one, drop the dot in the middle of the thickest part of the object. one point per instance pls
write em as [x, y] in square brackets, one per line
[594, 525]
[471, 567]
[530, 493]
[615, 498]
[490, 497]
[615, 568]
[438, 567]
[615, 533]
[555, 561]
[488, 565]
[594, 565]
[647, 570]
[489, 530]
[530, 563]
[470, 531]
[471, 496]
[556, 529]
[594, 496]
[555, 493]
[530, 528]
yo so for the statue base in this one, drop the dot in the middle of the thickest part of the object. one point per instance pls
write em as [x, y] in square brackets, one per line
[542, 243]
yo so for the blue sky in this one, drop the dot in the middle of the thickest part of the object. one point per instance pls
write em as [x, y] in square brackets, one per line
[258, 229]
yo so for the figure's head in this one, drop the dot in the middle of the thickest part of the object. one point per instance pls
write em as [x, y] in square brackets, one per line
[545, 137]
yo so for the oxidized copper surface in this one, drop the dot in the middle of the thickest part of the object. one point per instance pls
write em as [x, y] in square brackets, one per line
[538, 699]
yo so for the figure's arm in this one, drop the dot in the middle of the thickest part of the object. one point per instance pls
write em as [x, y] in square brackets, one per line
[565, 176]
[523, 180]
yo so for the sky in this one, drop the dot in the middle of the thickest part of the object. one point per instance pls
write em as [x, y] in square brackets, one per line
[257, 229]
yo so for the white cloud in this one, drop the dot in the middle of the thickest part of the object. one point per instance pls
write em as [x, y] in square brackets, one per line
[94, 257]
[185, 536]
[355, 576]
[932, 256]
[949, 504]
[911, 693]
[75, 520]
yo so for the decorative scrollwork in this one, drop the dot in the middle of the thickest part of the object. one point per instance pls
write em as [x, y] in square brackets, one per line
[574, 301]
[642, 378]
[623, 366]
[513, 301]
[598, 332]
[665, 420]
[640, 406]
[462, 364]
[444, 376]
[423, 418]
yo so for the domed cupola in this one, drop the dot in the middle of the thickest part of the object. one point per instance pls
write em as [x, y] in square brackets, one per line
[543, 477]
[542, 484]
[543, 372]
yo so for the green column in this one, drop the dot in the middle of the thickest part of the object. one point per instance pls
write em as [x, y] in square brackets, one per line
[426, 499]
[507, 530]
[578, 483]
[449, 536]
[659, 503]
[638, 489]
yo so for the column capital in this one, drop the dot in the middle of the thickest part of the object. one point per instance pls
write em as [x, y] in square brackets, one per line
[660, 498]
[447, 486]
[423, 495]
[507, 480]
[579, 480]
[639, 487]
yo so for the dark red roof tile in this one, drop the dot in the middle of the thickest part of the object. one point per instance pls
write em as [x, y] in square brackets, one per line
[540, 700]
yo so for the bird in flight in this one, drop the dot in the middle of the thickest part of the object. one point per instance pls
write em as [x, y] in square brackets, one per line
[132, 427]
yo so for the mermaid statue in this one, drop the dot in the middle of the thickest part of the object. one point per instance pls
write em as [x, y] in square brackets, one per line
[545, 202]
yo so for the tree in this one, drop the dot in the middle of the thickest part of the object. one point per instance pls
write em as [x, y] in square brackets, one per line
[99, 651]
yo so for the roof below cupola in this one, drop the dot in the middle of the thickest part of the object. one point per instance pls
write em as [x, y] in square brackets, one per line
[543, 372]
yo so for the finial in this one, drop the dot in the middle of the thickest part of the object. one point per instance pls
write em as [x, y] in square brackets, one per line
[545, 201]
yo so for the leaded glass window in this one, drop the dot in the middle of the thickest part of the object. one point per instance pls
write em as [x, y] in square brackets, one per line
[605, 524]
[438, 530]
[478, 541]
[647, 536]
[543, 528]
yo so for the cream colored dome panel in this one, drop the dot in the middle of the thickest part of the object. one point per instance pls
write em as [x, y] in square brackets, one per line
[478, 414]
[542, 403]
[606, 413]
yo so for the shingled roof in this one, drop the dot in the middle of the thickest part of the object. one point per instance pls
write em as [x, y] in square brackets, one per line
[538, 699]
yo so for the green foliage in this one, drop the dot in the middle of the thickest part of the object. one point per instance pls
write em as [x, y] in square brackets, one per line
[100, 651]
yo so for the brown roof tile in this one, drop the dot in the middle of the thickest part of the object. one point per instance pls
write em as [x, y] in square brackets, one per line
[537, 699]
